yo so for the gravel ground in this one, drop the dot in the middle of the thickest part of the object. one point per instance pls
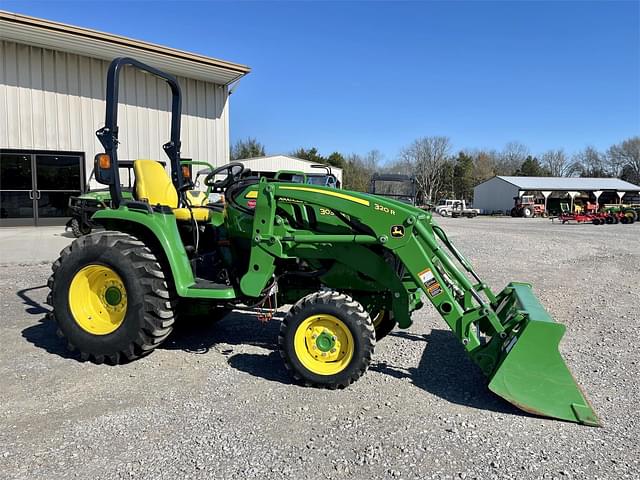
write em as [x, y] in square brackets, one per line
[215, 401]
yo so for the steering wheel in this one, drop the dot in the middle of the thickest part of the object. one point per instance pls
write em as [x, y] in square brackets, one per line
[234, 171]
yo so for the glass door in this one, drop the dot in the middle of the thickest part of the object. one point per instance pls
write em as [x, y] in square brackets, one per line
[57, 178]
[35, 187]
[17, 194]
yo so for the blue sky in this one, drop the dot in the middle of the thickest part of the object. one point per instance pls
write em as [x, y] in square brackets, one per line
[356, 76]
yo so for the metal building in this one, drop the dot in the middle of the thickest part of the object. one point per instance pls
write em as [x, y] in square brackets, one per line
[497, 194]
[273, 163]
[52, 87]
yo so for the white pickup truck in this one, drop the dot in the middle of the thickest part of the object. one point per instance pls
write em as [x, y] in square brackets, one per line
[455, 208]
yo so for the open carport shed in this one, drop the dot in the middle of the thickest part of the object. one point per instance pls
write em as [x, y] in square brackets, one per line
[497, 193]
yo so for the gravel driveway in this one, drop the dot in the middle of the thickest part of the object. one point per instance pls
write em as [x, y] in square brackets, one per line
[216, 402]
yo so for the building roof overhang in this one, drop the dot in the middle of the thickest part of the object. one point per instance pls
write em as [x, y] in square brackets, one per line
[92, 43]
[568, 184]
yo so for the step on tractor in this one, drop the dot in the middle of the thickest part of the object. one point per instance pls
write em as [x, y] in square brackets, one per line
[352, 265]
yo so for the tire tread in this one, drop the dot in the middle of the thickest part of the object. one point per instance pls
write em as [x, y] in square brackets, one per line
[351, 307]
[159, 299]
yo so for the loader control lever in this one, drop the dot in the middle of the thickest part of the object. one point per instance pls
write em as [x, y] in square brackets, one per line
[234, 171]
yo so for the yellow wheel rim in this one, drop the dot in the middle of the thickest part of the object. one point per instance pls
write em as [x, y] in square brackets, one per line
[324, 344]
[98, 299]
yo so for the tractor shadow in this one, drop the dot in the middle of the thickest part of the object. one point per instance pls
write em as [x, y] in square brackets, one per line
[446, 371]
[32, 306]
[42, 334]
[199, 334]
[192, 335]
[236, 331]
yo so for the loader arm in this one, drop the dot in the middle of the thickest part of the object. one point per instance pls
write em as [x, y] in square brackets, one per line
[508, 335]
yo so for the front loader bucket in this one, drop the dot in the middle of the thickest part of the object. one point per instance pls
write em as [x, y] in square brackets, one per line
[531, 374]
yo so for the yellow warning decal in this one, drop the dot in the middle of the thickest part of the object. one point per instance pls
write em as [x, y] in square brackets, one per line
[430, 282]
[252, 194]
[330, 193]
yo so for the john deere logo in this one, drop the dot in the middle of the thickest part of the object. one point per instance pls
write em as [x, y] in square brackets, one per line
[397, 231]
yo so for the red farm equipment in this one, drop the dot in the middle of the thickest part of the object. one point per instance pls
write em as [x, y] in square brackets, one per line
[590, 214]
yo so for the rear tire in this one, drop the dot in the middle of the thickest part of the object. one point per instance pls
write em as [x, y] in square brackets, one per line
[632, 214]
[79, 228]
[103, 325]
[344, 340]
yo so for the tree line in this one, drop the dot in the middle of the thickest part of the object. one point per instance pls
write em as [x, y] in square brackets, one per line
[441, 173]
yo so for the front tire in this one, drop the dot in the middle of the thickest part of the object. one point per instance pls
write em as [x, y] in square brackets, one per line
[327, 340]
[79, 228]
[110, 298]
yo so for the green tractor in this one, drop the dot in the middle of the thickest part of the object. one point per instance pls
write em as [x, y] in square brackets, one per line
[352, 265]
[626, 213]
[84, 206]
[327, 179]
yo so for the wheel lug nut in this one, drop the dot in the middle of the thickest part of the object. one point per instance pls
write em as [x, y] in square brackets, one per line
[334, 338]
[333, 350]
[314, 336]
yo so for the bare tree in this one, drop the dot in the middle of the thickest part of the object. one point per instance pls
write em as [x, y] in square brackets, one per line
[428, 156]
[511, 158]
[373, 159]
[358, 170]
[484, 164]
[625, 157]
[401, 166]
[557, 163]
[590, 163]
